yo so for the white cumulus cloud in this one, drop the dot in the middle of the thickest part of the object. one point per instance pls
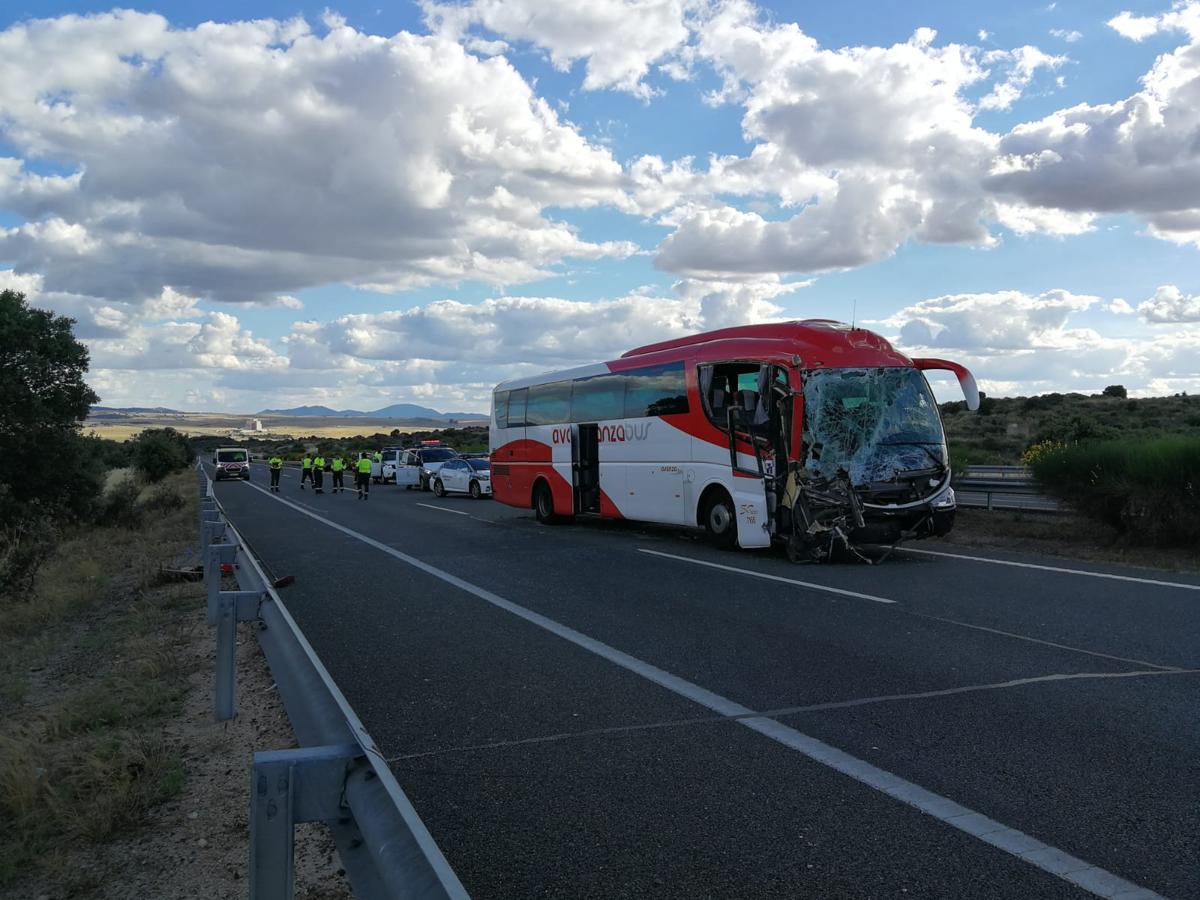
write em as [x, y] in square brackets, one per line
[245, 161]
[1169, 305]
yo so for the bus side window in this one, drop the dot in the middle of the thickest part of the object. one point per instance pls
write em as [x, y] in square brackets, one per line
[598, 398]
[655, 391]
[516, 407]
[549, 404]
[727, 385]
[500, 400]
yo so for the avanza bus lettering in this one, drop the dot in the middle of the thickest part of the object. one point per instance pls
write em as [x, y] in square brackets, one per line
[814, 434]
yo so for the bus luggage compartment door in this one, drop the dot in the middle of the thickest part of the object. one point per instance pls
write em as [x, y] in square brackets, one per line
[585, 451]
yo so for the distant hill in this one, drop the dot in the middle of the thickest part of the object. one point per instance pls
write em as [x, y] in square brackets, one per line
[395, 411]
[134, 409]
[312, 411]
[412, 411]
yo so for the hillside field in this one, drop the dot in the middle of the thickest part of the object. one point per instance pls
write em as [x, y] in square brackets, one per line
[121, 426]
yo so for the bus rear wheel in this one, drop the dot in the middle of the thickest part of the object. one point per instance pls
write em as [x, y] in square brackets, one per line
[720, 521]
[543, 505]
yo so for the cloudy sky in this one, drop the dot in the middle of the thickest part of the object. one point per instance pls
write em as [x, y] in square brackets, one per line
[368, 203]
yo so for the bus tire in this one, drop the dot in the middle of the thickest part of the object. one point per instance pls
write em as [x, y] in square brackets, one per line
[720, 520]
[543, 504]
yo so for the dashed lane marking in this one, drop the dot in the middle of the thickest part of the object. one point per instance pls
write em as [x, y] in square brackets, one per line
[996, 631]
[457, 512]
[740, 571]
[1045, 568]
[1028, 849]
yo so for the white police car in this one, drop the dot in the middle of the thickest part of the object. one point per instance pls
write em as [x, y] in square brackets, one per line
[467, 476]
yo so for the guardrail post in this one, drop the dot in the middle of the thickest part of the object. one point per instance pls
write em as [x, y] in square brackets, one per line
[286, 787]
[216, 555]
[989, 500]
[210, 519]
[232, 607]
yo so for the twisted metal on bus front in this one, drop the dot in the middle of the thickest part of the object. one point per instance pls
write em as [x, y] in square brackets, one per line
[814, 433]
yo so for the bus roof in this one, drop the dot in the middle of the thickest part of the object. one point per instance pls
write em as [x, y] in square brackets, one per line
[810, 343]
[812, 338]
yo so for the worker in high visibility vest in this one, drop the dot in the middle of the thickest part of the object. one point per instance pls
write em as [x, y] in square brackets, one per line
[337, 467]
[276, 465]
[363, 481]
[305, 470]
[318, 476]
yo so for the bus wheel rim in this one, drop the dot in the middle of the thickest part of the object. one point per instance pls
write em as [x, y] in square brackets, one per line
[719, 518]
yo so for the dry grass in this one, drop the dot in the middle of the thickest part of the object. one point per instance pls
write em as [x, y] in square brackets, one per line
[127, 432]
[88, 667]
[1066, 535]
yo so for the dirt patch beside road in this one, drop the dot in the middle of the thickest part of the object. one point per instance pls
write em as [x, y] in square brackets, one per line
[1062, 534]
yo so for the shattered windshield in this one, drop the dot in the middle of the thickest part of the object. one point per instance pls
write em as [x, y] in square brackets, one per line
[877, 424]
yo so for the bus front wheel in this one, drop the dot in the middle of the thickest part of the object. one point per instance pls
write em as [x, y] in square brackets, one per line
[720, 521]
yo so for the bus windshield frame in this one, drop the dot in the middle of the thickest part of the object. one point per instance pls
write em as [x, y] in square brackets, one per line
[879, 425]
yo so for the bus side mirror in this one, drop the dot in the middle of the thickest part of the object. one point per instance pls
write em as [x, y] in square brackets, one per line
[965, 379]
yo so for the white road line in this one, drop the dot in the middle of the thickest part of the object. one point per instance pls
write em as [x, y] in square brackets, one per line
[1028, 849]
[457, 512]
[781, 711]
[752, 574]
[1033, 640]
[1025, 565]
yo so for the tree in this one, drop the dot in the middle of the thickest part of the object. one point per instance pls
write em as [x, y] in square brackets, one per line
[1115, 390]
[44, 477]
[160, 451]
[43, 402]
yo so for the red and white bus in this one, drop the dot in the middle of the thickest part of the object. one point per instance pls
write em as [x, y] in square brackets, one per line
[812, 432]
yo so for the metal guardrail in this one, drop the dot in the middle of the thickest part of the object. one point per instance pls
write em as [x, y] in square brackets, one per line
[337, 776]
[1002, 487]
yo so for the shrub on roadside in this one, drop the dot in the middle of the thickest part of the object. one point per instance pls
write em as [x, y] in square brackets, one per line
[1147, 489]
[1036, 451]
[119, 508]
[160, 451]
[25, 543]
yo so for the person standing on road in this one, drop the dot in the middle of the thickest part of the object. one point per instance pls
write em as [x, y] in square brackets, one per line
[276, 465]
[337, 467]
[305, 470]
[363, 481]
[318, 474]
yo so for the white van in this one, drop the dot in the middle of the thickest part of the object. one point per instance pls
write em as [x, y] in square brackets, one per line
[231, 462]
[400, 466]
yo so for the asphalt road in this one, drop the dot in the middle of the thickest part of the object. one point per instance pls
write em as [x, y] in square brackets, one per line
[609, 710]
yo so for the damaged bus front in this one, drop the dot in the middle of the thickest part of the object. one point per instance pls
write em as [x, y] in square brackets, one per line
[874, 466]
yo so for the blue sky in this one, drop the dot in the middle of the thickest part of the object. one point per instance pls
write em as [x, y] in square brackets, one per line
[379, 203]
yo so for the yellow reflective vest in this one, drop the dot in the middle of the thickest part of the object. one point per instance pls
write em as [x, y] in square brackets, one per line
[337, 465]
[364, 466]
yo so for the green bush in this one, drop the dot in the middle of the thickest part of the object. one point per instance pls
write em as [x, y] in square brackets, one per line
[1147, 489]
[25, 543]
[119, 505]
[160, 451]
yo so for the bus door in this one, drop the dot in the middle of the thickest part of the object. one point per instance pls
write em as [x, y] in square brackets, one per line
[585, 467]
